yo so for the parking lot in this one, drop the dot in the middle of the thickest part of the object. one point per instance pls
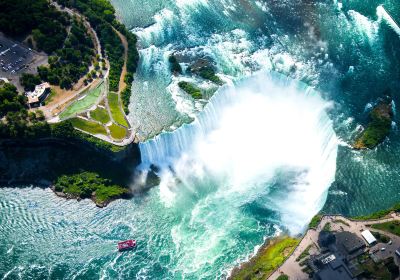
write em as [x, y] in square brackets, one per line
[17, 58]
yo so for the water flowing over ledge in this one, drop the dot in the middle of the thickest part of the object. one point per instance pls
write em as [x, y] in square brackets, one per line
[267, 136]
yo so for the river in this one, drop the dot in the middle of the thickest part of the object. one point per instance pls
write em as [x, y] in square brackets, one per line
[261, 156]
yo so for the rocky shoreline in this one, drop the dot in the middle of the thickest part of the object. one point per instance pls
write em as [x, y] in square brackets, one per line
[69, 196]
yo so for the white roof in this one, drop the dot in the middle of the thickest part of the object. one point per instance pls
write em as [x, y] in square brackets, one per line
[368, 236]
[328, 259]
[34, 96]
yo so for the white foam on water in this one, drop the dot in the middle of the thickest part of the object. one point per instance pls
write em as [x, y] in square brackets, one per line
[383, 14]
[364, 25]
[265, 129]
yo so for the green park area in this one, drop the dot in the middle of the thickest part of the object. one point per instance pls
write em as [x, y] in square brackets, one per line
[392, 227]
[88, 126]
[115, 109]
[83, 103]
[117, 132]
[267, 260]
[100, 114]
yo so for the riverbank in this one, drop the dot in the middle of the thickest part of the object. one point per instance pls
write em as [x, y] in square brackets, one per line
[268, 258]
[90, 185]
[44, 161]
[294, 264]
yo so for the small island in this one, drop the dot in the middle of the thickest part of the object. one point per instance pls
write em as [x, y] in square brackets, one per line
[89, 185]
[378, 127]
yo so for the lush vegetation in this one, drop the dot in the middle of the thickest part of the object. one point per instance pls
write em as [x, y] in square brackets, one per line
[72, 62]
[315, 221]
[29, 81]
[89, 185]
[114, 51]
[392, 227]
[72, 52]
[16, 121]
[117, 132]
[267, 260]
[379, 214]
[101, 15]
[382, 270]
[100, 114]
[115, 109]
[39, 18]
[174, 65]
[88, 126]
[283, 277]
[378, 127]
[191, 89]
[208, 73]
[380, 237]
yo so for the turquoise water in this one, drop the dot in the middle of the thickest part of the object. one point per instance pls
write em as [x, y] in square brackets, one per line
[234, 179]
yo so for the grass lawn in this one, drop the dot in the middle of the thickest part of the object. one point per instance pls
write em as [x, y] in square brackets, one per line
[117, 132]
[100, 115]
[83, 104]
[315, 221]
[267, 260]
[392, 227]
[50, 97]
[380, 214]
[88, 126]
[115, 109]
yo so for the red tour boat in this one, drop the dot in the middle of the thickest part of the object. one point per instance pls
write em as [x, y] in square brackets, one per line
[126, 245]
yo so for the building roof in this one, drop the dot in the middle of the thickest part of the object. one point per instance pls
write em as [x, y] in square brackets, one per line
[34, 96]
[349, 241]
[5, 80]
[368, 237]
[334, 270]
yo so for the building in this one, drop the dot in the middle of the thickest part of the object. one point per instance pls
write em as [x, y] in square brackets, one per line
[349, 244]
[367, 235]
[331, 267]
[38, 95]
[4, 80]
[338, 258]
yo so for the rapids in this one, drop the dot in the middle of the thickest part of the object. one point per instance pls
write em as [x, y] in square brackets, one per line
[259, 157]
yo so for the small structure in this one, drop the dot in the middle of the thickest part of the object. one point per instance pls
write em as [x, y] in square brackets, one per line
[398, 252]
[330, 267]
[338, 257]
[367, 235]
[349, 244]
[38, 95]
[126, 245]
[4, 80]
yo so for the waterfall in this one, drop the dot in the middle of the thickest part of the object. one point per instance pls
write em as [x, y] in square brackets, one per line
[267, 133]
